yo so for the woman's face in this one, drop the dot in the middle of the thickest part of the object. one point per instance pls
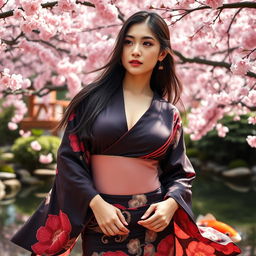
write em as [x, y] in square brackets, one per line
[141, 45]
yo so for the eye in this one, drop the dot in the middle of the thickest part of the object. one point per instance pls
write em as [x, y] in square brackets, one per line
[147, 43]
[127, 41]
[227, 233]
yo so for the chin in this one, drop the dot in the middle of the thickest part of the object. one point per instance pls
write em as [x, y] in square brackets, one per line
[138, 71]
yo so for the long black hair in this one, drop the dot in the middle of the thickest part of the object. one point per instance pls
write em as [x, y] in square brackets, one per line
[90, 101]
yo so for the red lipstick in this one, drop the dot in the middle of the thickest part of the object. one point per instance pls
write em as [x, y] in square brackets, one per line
[135, 63]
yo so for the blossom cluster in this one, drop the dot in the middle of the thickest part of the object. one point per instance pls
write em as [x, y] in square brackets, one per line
[60, 44]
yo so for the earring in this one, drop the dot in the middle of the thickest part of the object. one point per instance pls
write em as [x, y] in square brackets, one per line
[161, 66]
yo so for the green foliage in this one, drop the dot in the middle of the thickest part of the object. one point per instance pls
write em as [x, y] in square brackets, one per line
[7, 136]
[27, 157]
[237, 163]
[6, 168]
[37, 132]
[233, 146]
[192, 152]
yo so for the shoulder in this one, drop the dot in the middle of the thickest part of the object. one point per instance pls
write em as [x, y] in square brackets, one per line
[168, 106]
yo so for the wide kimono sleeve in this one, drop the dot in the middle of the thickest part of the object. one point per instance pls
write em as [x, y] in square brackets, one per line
[177, 171]
[176, 178]
[54, 227]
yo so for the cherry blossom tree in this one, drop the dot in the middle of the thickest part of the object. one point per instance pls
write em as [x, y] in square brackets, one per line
[46, 46]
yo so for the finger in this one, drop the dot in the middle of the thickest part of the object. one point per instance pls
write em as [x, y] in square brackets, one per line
[121, 217]
[110, 231]
[119, 230]
[157, 225]
[148, 211]
[116, 230]
[104, 230]
[150, 220]
[159, 228]
[121, 227]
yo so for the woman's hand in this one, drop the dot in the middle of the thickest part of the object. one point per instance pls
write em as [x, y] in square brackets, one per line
[164, 211]
[109, 218]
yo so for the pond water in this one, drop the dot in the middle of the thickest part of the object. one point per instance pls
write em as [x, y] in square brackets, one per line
[215, 196]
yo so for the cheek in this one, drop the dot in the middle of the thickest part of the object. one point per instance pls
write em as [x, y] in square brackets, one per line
[152, 58]
[152, 54]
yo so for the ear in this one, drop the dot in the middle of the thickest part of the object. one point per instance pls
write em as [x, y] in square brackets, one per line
[162, 55]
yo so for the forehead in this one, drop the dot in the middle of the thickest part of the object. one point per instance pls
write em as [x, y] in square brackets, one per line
[140, 30]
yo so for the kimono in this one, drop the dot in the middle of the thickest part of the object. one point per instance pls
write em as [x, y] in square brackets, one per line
[62, 216]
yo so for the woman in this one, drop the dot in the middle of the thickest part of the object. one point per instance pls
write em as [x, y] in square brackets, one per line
[123, 180]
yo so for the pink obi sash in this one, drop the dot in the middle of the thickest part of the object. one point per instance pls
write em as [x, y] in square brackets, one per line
[120, 175]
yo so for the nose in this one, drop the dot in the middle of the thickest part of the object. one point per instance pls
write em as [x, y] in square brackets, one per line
[136, 50]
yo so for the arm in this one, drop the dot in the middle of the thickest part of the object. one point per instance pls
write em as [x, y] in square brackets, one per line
[177, 172]
[55, 226]
[176, 176]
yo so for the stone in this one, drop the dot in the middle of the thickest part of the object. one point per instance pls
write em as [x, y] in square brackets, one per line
[254, 170]
[22, 173]
[7, 156]
[13, 186]
[8, 201]
[52, 166]
[30, 180]
[214, 167]
[2, 190]
[238, 187]
[7, 175]
[44, 172]
[41, 195]
[236, 172]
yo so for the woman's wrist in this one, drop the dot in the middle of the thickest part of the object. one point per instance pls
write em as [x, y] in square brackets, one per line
[173, 201]
[95, 201]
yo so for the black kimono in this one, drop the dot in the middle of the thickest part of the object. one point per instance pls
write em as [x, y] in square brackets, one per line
[63, 215]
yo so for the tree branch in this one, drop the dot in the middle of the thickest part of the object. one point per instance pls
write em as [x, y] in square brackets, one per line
[46, 5]
[221, 64]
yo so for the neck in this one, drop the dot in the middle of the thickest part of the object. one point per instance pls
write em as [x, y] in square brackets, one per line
[137, 84]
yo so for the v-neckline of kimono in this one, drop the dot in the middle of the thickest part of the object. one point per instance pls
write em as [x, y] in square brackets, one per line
[141, 117]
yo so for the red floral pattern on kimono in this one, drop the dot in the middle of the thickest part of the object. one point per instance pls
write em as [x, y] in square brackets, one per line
[117, 253]
[75, 144]
[78, 146]
[54, 236]
[165, 246]
[200, 249]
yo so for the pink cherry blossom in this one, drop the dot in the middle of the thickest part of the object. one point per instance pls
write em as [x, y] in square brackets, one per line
[57, 46]
[2, 2]
[249, 39]
[251, 141]
[58, 80]
[66, 5]
[12, 126]
[240, 66]
[45, 159]
[252, 120]
[28, 25]
[5, 81]
[214, 3]
[35, 145]
[47, 32]
[18, 13]
[3, 46]
[17, 118]
[30, 7]
[24, 134]
[252, 97]
[222, 130]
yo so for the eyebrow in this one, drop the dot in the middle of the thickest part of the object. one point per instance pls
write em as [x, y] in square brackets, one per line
[144, 37]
